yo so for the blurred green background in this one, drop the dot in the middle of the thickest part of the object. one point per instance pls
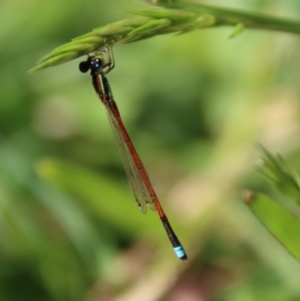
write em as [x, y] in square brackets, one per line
[195, 106]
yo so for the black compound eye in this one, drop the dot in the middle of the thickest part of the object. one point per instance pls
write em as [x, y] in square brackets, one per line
[85, 66]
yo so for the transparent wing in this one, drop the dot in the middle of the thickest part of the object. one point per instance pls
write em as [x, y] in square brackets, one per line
[138, 187]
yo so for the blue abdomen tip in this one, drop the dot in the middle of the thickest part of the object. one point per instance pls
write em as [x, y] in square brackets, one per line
[180, 253]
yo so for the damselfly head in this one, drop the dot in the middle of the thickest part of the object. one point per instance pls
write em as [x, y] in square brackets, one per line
[100, 63]
[93, 63]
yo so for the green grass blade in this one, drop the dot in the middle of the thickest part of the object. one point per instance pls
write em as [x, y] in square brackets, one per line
[151, 26]
[235, 16]
[280, 175]
[283, 225]
[174, 17]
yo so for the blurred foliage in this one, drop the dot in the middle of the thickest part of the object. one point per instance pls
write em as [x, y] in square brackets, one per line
[195, 106]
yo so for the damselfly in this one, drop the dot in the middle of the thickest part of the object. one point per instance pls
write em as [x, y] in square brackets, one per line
[141, 186]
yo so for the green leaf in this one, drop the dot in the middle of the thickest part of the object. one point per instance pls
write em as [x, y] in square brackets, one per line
[284, 226]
